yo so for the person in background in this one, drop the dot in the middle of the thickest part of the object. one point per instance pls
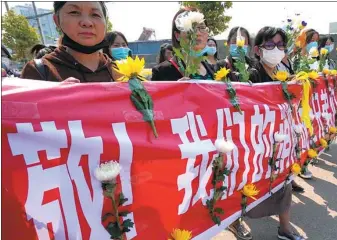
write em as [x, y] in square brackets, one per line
[173, 69]
[311, 38]
[229, 61]
[212, 53]
[39, 50]
[166, 52]
[79, 57]
[269, 49]
[327, 43]
[118, 48]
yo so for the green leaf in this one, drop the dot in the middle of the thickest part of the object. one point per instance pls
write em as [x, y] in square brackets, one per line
[114, 230]
[178, 53]
[216, 220]
[106, 216]
[121, 199]
[219, 210]
[123, 214]
[127, 224]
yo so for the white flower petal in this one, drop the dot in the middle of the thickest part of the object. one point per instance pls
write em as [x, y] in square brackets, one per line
[107, 171]
[279, 137]
[224, 146]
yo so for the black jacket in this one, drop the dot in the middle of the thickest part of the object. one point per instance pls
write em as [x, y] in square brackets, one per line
[166, 71]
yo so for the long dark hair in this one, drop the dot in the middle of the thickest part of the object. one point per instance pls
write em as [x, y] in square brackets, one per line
[322, 41]
[110, 37]
[268, 33]
[309, 34]
[234, 30]
[163, 48]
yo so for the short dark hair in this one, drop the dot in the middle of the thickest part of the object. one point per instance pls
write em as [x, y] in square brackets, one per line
[216, 45]
[163, 48]
[323, 40]
[39, 50]
[110, 38]
[59, 4]
[268, 33]
[234, 30]
[309, 34]
[175, 42]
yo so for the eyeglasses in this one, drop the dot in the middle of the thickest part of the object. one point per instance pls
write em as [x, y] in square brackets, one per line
[202, 29]
[272, 45]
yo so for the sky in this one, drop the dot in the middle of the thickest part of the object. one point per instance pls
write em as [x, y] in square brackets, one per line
[131, 17]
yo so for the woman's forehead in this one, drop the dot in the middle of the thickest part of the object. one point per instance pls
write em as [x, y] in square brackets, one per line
[84, 5]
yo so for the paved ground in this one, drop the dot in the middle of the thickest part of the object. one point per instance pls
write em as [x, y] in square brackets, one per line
[314, 212]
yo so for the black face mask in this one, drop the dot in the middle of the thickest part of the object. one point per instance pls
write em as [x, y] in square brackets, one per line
[67, 41]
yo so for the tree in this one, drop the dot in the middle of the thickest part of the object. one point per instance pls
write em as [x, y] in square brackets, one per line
[109, 25]
[18, 35]
[214, 13]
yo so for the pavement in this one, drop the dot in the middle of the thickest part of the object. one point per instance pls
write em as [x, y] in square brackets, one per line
[313, 213]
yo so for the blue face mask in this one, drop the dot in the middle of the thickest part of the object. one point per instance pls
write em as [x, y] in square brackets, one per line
[120, 53]
[234, 53]
[211, 51]
[200, 53]
[311, 45]
[329, 47]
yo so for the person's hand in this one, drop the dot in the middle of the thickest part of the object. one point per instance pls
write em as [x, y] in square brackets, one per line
[71, 80]
[184, 79]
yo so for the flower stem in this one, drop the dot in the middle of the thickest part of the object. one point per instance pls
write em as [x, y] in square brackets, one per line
[154, 129]
[116, 213]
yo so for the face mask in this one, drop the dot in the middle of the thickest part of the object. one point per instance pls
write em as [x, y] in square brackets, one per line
[120, 53]
[67, 41]
[272, 57]
[211, 51]
[329, 47]
[311, 45]
[200, 53]
[233, 50]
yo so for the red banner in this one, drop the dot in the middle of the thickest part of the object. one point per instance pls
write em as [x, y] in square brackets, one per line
[54, 135]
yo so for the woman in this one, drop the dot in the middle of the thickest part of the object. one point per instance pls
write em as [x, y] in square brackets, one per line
[118, 46]
[39, 50]
[166, 52]
[172, 70]
[230, 60]
[83, 25]
[269, 48]
[328, 44]
[212, 51]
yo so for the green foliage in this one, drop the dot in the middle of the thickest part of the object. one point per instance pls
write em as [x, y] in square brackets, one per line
[214, 13]
[240, 65]
[109, 25]
[18, 35]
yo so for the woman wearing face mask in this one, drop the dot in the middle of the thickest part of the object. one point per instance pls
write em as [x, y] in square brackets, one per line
[233, 55]
[328, 44]
[311, 43]
[212, 52]
[83, 26]
[118, 46]
[171, 70]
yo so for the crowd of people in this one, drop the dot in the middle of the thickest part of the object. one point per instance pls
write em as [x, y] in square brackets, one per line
[86, 53]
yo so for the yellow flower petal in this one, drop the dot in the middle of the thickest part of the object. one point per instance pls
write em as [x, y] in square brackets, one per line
[326, 71]
[178, 234]
[221, 74]
[281, 75]
[324, 51]
[323, 142]
[313, 75]
[130, 67]
[296, 168]
[332, 130]
[240, 43]
[250, 190]
[333, 72]
[312, 153]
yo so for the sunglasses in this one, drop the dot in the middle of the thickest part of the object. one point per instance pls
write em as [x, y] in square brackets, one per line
[202, 29]
[271, 45]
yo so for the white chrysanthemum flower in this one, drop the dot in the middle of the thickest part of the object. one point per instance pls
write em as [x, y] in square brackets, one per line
[279, 137]
[196, 17]
[224, 146]
[184, 21]
[107, 171]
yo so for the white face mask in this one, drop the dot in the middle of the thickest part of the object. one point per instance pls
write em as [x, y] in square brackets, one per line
[272, 57]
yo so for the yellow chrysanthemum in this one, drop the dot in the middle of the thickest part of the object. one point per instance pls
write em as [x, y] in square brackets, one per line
[146, 73]
[178, 234]
[332, 130]
[296, 168]
[240, 42]
[221, 74]
[130, 68]
[312, 153]
[326, 71]
[298, 44]
[314, 53]
[281, 76]
[324, 51]
[333, 72]
[300, 26]
[313, 75]
[250, 190]
[323, 142]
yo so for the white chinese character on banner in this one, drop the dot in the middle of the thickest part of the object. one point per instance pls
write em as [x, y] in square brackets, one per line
[190, 150]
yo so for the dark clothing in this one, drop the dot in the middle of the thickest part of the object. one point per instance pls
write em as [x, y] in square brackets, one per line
[60, 65]
[166, 71]
[234, 74]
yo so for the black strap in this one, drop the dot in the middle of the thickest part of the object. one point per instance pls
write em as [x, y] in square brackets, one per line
[41, 68]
